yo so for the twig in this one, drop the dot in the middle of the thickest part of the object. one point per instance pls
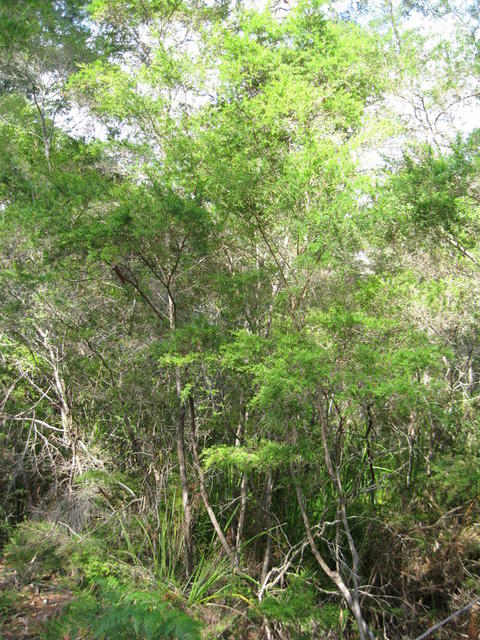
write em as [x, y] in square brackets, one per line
[443, 622]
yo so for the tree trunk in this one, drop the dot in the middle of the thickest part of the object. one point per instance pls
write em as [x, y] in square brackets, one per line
[203, 490]
[267, 522]
[243, 487]
[182, 465]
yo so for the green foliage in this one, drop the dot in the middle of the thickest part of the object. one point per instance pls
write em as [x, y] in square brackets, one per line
[9, 600]
[110, 604]
[54, 31]
[456, 480]
[115, 480]
[38, 548]
[297, 609]
[112, 610]
[263, 456]
[438, 194]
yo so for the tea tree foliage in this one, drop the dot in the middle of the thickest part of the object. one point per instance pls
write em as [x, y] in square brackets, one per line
[237, 356]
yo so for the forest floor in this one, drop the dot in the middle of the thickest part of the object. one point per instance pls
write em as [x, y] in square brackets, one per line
[24, 610]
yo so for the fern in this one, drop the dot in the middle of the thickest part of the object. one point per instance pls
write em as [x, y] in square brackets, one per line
[124, 614]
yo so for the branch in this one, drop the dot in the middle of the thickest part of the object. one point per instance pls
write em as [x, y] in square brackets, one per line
[30, 419]
[450, 617]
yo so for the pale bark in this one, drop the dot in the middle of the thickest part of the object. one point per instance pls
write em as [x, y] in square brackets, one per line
[243, 489]
[243, 510]
[182, 465]
[267, 522]
[203, 490]
[351, 599]
[69, 433]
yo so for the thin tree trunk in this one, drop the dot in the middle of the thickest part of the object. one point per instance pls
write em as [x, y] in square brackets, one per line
[182, 465]
[129, 430]
[46, 136]
[334, 474]
[369, 431]
[203, 489]
[125, 276]
[243, 510]
[243, 488]
[267, 522]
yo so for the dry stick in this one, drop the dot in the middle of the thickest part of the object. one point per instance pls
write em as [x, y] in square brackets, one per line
[9, 391]
[281, 571]
[243, 509]
[336, 481]
[70, 435]
[335, 576]
[444, 622]
[203, 489]
[28, 418]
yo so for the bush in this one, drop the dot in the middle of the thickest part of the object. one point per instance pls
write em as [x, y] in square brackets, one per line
[39, 548]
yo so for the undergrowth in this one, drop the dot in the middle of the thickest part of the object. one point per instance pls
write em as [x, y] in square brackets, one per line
[110, 609]
[128, 579]
[9, 600]
[113, 599]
